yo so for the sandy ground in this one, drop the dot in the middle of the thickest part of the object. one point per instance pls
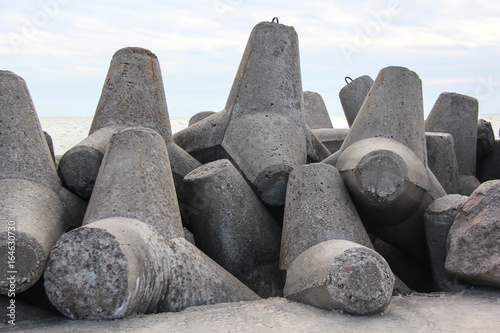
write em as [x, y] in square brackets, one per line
[472, 310]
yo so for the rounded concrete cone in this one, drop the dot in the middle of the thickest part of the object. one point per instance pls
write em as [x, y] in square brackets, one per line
[442, 160]
[315, 112]
[79, 166]
[24, 150]
[133, 93]
[232, 226]
[135, 181]
[109, 269]
[341, 275]
[457, 115]
[392, 109]
[387, 181]
[353, 95]
[32, 219]
[317, 208]
[195, 279]
[265, 136]
[200, 116]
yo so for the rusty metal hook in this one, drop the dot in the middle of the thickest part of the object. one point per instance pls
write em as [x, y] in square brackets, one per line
[347, 77]
[275, 18]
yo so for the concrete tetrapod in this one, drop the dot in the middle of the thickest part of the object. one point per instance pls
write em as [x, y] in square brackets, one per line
[135, 181]
[353, 95]
[317, 208]
[387, 181]
[118, 267]
[32, 211]
[232, 227]
[132, 95]
[457, 115]
[340, 275]
[315, 112]
[442, 160]
[261, 128]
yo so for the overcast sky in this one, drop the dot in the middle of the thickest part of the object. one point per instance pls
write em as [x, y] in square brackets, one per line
[62, 48]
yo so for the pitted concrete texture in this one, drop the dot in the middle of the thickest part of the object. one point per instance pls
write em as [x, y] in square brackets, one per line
[315, 111]
[353, 95]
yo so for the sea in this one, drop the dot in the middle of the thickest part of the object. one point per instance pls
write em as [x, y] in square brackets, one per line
[66, 132]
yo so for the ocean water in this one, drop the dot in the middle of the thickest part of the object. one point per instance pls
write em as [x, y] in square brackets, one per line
[66, 132]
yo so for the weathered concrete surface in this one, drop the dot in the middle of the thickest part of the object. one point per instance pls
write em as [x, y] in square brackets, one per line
[353, 95]
[33, 216]
[387, 181]
[317, 208]
[135, 181]
[485, 138]
[79, 166]
[457, 114]
[109, 269]
[438, 219]
[233, 227]
[340, 275]
[265, 137]
[133, 93]
[473, 248]
[474, 310]
[315, 111]
[468, 184]
[195, 279]
[442, 160]
[200, 116]
[316, 150]
[392, 109]
[24, 150]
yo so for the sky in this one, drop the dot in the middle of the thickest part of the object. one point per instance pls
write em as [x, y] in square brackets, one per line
[62, 48]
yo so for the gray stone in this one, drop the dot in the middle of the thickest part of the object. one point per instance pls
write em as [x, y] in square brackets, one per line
[195, 279]
[468, 184]
[200, 116]
[317, 208]
[353, 95]
[341, 275]
[457, 114]
[393, 109]
[261, 128]
[315, 112]
[488, 167]
[266, 280]
[387, 181]
[438, 219]
[485, 138]
[332, 138]
[316, 150]
[50, 144]
[232, 227]
[473, 247]
[135, 181]
[442, 160]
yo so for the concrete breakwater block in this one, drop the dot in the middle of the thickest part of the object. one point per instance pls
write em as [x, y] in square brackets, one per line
[132, 95]
[353, 95]
[135, 181]
[341, 275]
[200, 116]
[457, 115]
[317, 208]
[232, 227]
[315, 111]
[442, 160]
[34, 209]
[387, 180]
[261, 128]
[118, 267]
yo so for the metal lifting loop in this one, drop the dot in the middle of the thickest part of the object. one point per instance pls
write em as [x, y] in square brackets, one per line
[347, 77]
[275, 19]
